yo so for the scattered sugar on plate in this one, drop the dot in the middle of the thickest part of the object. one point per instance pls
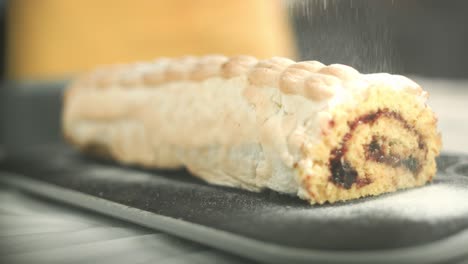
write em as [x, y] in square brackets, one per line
[445, 199]
[431, 202]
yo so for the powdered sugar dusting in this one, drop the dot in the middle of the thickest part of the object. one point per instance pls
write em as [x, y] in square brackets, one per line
[433, 202]
[444, 200]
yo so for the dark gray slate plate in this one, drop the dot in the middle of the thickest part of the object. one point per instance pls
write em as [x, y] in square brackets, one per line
[428, 224]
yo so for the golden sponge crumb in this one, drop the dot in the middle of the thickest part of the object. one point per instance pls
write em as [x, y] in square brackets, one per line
[385, 142]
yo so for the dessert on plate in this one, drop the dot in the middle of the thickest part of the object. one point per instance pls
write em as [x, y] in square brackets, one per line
[325, 133]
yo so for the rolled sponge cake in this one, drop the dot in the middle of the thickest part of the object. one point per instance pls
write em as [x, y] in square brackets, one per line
[323, 133]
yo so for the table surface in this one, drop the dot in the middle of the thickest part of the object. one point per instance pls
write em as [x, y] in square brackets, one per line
[37, 230]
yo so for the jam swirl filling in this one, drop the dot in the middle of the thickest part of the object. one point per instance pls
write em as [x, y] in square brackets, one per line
[345, 175]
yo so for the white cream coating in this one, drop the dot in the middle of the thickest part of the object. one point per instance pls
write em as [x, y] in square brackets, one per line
[224, 122]
[230, 121]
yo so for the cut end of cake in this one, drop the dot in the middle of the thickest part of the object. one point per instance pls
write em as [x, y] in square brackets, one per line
[385, 140]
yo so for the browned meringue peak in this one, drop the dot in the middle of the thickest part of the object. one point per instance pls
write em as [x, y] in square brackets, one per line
[157, 75]
[320, 86]
[267, 72]
[238, 65]
[341, 71]
[292, 79]
[208, 66]
[180, 69]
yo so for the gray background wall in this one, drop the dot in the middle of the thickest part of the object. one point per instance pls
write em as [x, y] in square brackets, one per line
[411, 37]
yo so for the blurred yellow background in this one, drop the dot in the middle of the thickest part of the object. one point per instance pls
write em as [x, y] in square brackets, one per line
[58, 38]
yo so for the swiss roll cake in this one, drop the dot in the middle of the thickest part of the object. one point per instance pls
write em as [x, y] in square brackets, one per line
[324, 133]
